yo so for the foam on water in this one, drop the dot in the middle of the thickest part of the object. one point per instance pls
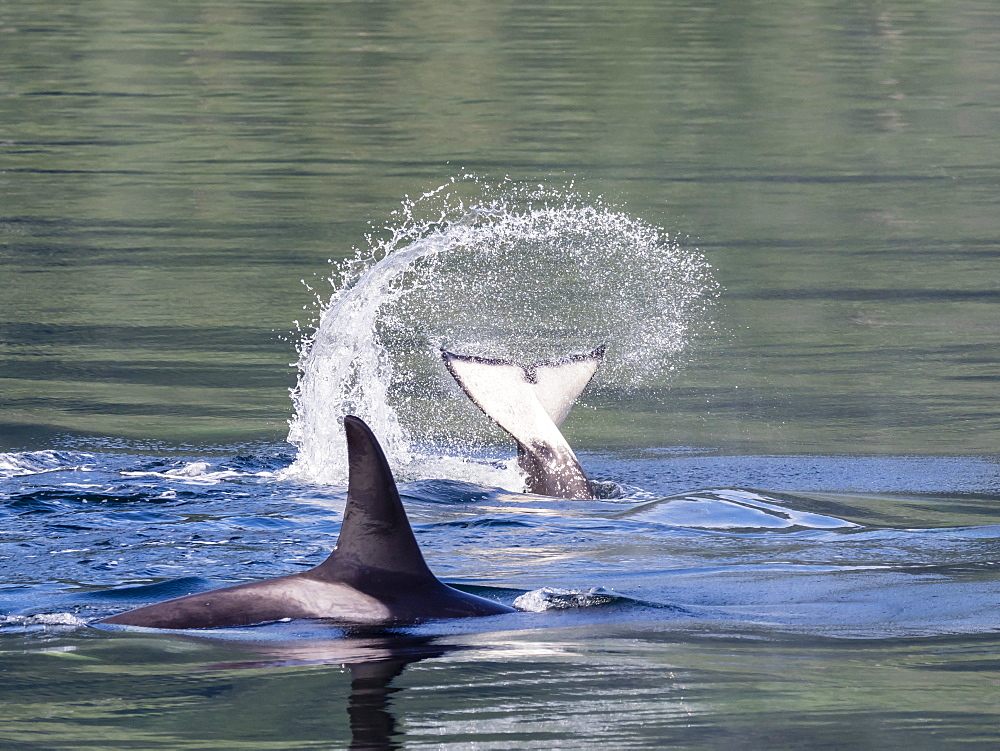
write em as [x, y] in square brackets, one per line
[510, 271]
[559, 598]
[199, 473]
[40, 621]
[24, 463]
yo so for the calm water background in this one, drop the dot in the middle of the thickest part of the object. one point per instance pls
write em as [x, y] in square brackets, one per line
[170, 173]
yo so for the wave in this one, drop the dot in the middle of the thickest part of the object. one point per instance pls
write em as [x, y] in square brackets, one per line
[733, 509]
[196, 473]
[24, 463]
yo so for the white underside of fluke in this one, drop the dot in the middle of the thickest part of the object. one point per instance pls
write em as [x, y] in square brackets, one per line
[530, 403]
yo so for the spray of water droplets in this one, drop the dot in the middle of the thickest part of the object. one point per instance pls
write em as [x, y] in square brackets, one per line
[491, 270]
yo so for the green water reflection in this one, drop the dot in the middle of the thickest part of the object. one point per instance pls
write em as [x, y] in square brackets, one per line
[628, 690]
[169, 174]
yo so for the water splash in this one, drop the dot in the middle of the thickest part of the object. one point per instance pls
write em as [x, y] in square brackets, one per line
[526, 273]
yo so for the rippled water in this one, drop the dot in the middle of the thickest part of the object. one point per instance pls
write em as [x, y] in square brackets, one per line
[691, 618]
[798, 543]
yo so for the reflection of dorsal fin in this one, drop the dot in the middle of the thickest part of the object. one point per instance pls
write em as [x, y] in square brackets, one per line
[530, 403]
[376, 533]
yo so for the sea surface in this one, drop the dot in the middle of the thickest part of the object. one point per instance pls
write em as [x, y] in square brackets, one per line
[224, 225]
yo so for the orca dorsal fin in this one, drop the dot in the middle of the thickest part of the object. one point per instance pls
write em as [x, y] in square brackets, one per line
[375, 537]
[530, 403]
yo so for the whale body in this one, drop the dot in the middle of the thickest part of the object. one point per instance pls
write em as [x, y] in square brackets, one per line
[376, 574]
[530, 403]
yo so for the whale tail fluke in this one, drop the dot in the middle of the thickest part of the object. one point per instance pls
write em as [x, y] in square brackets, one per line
[530, 403]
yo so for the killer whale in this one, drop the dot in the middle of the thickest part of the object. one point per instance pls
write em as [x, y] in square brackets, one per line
[376, 574]
[531, 403]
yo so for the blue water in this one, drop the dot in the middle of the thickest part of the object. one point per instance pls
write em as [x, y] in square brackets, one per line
[830, 547]
[627, 598]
